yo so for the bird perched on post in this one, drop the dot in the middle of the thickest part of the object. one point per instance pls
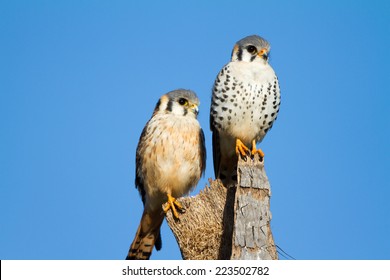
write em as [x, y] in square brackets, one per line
[245, 103]
[170, 160]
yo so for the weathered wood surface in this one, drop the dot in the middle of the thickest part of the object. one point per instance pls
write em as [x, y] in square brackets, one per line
[252, 234]
[232, 223]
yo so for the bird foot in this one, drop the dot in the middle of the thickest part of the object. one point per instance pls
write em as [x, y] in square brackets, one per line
[244, 151]
[257, 151]
[241, 149]
[173, 203]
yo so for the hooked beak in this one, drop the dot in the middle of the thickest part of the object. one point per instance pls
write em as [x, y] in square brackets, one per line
[263, 53]
[195, 109]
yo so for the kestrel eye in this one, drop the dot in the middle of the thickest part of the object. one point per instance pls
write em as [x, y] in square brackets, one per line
[251, 49]
[183, 101]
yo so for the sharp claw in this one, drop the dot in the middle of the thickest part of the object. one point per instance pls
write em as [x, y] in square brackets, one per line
[256, 151]
[172, 204]
[241, 149]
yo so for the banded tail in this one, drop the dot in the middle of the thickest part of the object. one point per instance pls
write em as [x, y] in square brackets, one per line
[147, 236]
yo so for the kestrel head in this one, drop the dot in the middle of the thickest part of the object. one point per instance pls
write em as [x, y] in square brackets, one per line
[180, 102]
[251, 48]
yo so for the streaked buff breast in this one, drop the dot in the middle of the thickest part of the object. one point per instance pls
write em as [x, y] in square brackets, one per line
[171, 159]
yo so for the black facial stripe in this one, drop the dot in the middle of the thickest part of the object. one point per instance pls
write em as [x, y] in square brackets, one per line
[239, 54]
[157, 105]
[169, 106]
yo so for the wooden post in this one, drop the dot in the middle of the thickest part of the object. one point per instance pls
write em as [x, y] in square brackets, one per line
[232, 223]
[252, 234]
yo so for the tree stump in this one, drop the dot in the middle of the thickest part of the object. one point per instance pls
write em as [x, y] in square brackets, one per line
[234, 223]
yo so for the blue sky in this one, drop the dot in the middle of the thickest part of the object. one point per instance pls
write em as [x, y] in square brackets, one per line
[79, 80]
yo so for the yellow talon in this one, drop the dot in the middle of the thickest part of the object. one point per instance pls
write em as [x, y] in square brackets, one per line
[171, 205]
[256, 151]
[241, 148]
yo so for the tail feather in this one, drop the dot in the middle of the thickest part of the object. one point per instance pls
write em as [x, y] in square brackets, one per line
[147, 236]
[225, 165]
[228, 171]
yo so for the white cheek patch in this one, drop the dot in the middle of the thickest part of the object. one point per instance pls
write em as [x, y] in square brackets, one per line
[177, 109]
[246, 56]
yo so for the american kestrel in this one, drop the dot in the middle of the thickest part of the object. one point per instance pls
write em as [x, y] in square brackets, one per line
[245, 103]
[170, 159]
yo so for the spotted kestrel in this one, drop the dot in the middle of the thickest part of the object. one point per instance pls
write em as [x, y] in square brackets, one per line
[170, 160]
[245, 103]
